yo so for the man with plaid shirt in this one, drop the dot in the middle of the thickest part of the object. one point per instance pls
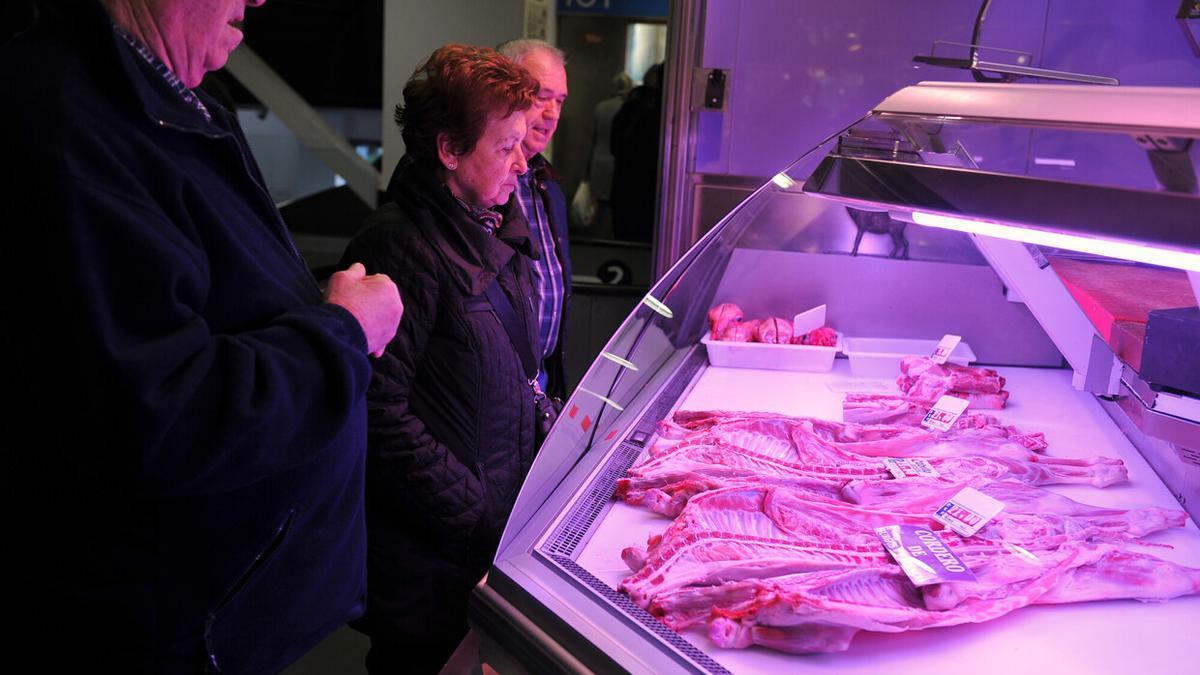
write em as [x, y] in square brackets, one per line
[541, 200]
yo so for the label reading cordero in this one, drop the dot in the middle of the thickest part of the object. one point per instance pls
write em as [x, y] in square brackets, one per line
[922, 554]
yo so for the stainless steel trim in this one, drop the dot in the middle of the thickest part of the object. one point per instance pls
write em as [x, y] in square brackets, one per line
[674, 233]
[1159, 425]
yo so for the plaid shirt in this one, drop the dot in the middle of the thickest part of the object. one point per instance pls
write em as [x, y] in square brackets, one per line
[161, 68]
[547, 272]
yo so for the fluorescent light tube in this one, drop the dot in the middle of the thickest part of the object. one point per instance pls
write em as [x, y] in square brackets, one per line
[1164, 257]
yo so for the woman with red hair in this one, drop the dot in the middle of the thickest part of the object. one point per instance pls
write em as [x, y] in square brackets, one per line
[451, 410]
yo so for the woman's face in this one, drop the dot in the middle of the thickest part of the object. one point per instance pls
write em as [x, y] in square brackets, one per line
[487, 175]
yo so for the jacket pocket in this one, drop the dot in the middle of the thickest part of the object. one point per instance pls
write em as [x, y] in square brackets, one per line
[260, 559]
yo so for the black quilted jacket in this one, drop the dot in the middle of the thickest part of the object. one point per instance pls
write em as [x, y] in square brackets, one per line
[450, 413]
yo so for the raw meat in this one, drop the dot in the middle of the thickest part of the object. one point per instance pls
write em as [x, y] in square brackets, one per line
[820, 337]
[721, 316]
[972, 435]
[866, 408]
[749, 532]
[773, 331]
[954, 377]
[688, 423]
[1106, 572]
[923, 495]
[794, 452]
[926, 381]
[821, 612]
[872, 408]
[736, 331]
[785, 570]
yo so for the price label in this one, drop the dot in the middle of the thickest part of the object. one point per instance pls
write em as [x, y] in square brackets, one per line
[945, 348]
[968, 511]
[910, 467]
[944, 413]
[923, 555]
[808, 320]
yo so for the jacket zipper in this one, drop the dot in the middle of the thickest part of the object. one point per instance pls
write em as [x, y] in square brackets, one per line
[209, 621]
[280, 226]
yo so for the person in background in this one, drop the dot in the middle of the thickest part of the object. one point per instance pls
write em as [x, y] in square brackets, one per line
[186, 429]
[636, 132]
[545, 207]
[599, 174]
[451, 432]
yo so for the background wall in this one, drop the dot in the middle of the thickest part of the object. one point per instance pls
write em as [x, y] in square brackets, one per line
[412, 29]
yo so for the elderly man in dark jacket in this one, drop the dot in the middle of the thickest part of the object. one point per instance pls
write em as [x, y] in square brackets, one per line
[541, 200]
[185, 433]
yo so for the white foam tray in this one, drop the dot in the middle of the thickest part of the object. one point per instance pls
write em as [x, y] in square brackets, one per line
[880, 357]
[757, 355]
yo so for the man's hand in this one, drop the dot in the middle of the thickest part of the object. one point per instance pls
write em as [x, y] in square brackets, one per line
[373, 300]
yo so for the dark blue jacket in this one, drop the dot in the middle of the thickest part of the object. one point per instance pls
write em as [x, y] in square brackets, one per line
[186, 446]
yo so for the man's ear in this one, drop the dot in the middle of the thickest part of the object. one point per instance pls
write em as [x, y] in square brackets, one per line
[446, 154]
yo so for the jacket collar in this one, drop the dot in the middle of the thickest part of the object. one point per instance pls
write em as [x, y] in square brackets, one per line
[541, 168]
[150, 91]
[473, 257]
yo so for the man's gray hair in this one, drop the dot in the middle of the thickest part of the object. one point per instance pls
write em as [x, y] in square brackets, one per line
[517, 50]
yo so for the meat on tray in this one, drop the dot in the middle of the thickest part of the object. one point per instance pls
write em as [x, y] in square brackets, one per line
[922, 495]
[802, 573]
[786, 451]
[728, 323]
[923, 380]
[720, 316]
[873, 408]
[773, 540]
[773, 331]
[821, 612]
[820, 337]
[888, 440]
[738, 331]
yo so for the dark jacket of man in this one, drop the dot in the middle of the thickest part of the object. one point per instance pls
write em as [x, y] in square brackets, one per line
[185, 438]
[556, 210]
[451, 413]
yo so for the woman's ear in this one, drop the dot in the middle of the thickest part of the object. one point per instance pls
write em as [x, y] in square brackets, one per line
[446, 152]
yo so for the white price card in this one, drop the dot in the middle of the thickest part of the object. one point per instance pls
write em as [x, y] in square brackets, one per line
[910, 467]
[944, 413]
[808, 320]
[968, 511]
[944, 348]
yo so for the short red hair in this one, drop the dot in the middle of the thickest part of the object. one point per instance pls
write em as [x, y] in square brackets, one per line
[455, 92]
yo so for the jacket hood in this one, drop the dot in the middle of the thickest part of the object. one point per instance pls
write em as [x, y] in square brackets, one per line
[473, 257]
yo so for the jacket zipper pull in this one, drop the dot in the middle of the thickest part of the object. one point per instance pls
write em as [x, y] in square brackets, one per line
[210, 652]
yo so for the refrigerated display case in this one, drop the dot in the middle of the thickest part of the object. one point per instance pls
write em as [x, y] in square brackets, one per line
[1070, 167]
